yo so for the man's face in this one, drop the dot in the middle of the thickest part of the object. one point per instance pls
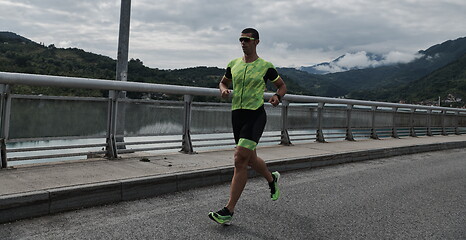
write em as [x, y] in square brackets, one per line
[248, 43]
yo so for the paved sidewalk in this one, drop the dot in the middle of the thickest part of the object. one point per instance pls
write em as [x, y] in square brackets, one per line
[35, 190]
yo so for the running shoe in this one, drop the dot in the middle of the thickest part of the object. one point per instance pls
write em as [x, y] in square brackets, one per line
[274, 190]
[223, 216]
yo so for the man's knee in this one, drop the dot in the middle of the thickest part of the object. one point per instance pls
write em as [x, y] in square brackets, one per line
[253, 159]
[242, 157]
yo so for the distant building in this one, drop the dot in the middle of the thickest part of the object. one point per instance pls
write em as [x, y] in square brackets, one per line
[452, 99]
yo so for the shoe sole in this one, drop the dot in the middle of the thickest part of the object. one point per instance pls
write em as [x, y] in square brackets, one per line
[228, 223]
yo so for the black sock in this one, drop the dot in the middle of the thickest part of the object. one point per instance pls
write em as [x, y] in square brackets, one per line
[226, 211]
[273, 180]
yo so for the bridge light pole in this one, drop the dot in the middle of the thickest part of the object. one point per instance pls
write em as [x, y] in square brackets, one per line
[123, 41]
[116, 115]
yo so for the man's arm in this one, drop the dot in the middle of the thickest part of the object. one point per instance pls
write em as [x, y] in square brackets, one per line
[223, 86]
[281, 91]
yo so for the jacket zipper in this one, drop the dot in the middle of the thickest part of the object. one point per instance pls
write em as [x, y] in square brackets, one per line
[242, 89]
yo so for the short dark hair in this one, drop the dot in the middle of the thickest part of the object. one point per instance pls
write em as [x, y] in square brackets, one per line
[255, 33]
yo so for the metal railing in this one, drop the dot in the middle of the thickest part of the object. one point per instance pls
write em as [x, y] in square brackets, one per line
[299, 118]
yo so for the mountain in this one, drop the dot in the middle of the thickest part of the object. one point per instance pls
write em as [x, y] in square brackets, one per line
[19, 54]
[430, 75]
[361, 60]
[435, 72]
[430, 60]
[448, 83]
[311, 84]
[13, 37]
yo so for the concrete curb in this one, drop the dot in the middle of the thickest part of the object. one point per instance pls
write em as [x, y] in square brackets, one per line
[332, 159]
[39, 203]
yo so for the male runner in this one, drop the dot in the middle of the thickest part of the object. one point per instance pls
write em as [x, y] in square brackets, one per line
[249, 75]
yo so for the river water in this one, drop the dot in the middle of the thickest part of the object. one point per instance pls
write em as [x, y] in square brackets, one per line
[45, 122]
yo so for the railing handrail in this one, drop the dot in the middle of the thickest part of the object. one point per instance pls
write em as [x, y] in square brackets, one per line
[451, 119]
[101, 84]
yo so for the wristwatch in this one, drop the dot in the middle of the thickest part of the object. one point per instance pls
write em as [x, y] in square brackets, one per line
[279, 97]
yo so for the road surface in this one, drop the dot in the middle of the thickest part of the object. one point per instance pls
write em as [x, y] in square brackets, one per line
[420, 196]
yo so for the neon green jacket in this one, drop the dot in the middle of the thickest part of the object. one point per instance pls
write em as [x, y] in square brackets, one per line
[249, 82]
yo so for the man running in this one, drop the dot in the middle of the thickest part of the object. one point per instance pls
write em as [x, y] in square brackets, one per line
[249, 75]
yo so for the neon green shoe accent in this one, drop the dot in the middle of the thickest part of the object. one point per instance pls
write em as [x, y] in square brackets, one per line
[220, 219]
[275, 195]
[246, 143]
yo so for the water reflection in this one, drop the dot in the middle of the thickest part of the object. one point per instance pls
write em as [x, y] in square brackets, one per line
[162, 121]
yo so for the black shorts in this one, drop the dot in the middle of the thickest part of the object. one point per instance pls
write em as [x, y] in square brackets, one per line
[248, 126]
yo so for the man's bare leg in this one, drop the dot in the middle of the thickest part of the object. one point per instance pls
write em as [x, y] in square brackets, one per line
[240, 176]
[259, 165]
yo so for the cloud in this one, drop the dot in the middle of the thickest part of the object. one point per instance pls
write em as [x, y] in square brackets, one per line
[355, 60]
[362, 59]
[199, 32]
[399, 57]
[65, 44]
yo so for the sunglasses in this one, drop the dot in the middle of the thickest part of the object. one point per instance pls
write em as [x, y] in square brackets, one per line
[246, 39]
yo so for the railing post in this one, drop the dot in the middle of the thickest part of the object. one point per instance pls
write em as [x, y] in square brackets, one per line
[4, 162]
[5, 123]
[457, 118]
[394, 128]
[349, 131]
[412, 131]
[284, 136]
[444, 114]
[112, 125]
[320, 133]
[373, 130]
[429, 123]
[187, 145]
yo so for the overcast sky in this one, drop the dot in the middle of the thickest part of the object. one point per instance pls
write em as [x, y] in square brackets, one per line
[188, 33]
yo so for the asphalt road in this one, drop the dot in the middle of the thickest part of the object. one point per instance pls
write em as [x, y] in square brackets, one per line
[420, 196]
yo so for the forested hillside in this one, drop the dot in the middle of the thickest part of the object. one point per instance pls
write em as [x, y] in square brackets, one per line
[18, 54]
[428, 61]
[420, 81]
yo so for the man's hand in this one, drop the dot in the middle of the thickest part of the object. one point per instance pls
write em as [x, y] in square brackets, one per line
[281, 86]
[225, 93]
[274, 100]
[223, 87]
